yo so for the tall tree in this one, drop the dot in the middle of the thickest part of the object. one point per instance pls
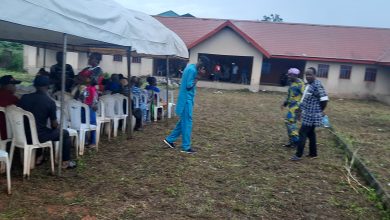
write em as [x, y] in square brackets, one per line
[272, 18]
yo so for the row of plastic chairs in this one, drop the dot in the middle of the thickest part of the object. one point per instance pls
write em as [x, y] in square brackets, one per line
[112, 109]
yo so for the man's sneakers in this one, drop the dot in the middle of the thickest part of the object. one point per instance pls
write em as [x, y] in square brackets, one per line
[172, 145]
[169, 144]
[189, 151]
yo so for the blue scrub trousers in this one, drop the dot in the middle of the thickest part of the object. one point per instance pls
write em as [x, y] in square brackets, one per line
[183, 128]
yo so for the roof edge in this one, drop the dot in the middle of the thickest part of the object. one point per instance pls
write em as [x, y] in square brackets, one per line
[336, 60]
[229, 24]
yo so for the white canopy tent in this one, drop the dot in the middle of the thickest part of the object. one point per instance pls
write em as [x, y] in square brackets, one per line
[85, 26]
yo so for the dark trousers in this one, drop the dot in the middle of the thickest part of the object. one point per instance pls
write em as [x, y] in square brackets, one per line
[304, 133]
[54, 135]
[138, 118]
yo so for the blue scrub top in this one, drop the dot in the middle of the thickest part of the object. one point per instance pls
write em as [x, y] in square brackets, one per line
[187, 89]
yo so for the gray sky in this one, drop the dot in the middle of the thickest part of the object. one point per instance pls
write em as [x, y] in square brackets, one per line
[369, 13]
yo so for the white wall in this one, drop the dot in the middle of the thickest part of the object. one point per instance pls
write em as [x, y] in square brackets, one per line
[33, 61]
[137, 69]
[227, 42]
[355, 87]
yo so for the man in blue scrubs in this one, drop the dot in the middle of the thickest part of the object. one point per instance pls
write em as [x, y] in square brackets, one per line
[185, 105]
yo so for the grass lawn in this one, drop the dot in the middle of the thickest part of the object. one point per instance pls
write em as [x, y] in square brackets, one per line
[366, 125]
[240, 172]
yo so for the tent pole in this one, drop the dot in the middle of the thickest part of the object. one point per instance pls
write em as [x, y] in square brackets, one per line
[44, 58]
[167, 78]
[62, 106]
[130, 111]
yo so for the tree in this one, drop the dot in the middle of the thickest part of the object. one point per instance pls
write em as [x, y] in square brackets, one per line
[272, 18]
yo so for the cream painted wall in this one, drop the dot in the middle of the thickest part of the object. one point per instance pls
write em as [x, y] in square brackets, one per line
[355, 87]
[33, 61]
[227, 42]
[137, 69]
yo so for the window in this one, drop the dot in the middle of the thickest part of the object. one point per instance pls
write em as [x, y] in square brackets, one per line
[118, 58]
[323, 70]
[266, 68]
[136, 59]
[345, 72]
[370, 74]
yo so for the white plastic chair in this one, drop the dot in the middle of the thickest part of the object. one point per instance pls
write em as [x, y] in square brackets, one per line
[16, 115]
[4, 158]
[170, 102]
[74, 108]
[3, 153]
[67, 96]
[3, 143]
[157, 105]
[72, 133]
[123, 109]
[101, 119]
[111, 106]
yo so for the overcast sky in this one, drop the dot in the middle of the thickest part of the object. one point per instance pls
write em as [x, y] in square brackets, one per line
[369, 13]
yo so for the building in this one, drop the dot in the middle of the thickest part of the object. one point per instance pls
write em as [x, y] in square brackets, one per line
[352, 62]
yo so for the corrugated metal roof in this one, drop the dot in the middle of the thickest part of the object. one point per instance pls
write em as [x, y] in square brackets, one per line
[290, 40]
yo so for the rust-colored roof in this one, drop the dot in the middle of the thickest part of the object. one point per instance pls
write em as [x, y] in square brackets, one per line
[293, 41]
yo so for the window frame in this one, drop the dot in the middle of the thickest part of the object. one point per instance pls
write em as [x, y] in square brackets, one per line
[370, 78]
[323, 75]
[344, 67]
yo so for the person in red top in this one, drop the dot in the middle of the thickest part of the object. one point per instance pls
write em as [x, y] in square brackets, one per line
[7, 97]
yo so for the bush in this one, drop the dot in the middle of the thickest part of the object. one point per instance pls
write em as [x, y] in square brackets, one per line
[11, 56]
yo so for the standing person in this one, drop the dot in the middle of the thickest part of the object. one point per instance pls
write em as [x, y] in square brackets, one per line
[217, 72]
[44, 108]
[294, 96]
[94, 71]
[7, 97]
[234, 72]
[56, 72]
[313, 104]
[185, 104]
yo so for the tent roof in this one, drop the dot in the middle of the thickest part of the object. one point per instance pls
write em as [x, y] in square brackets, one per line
[89, 24]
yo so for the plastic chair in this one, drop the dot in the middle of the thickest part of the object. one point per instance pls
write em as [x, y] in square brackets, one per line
[170, 102]
[17, 115]
[74, 109]
[3, 143]
[4, 158]
[157, 105]
[72, 133]
[123, 109]
[67, 96]
[111, 106]
[101, 119]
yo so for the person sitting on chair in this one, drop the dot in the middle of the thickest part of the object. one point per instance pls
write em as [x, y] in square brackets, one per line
[44, 108]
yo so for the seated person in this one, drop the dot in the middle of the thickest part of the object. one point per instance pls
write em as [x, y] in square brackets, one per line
[56, 72]
[138, 111]
[152, 88]
[44, 108]
[114, 84]
[88, 95]
[152, 81]
[7, 94]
